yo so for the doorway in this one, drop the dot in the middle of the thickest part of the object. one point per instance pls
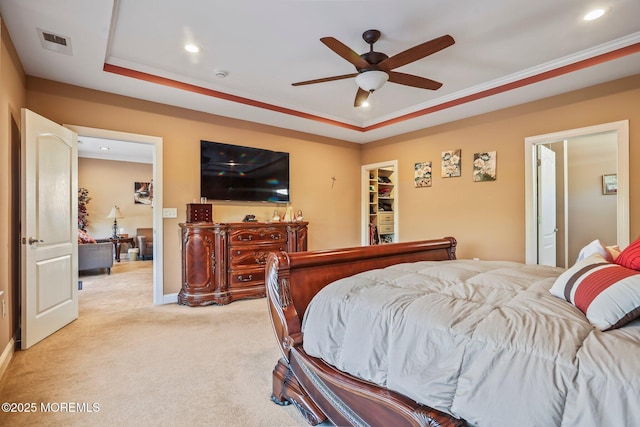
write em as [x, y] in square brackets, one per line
[156, 144]
[620, 135]
[379, 202]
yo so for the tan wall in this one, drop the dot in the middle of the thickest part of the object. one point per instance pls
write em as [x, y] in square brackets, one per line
[12, 99]
[331, 208]
[112, 183]
[488, 218]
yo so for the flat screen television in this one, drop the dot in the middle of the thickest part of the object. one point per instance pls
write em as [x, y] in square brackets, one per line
[236, 173]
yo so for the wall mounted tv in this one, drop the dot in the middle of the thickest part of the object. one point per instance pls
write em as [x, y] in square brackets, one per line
[233, 172]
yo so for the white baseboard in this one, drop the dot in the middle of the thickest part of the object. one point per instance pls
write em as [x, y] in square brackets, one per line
[7, 355]
[170, 298]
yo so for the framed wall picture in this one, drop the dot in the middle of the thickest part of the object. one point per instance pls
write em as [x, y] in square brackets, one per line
[610, 184]
[451, 163]
[422, 174]
[484, 166]
[143, 193]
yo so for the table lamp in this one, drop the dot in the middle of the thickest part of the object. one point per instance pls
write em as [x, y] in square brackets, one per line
[115, 214]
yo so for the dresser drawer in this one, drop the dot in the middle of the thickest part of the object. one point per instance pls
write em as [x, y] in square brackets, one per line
[249, 236]
[244, 278]
[252, 256]
[385, 217]
[385, 229]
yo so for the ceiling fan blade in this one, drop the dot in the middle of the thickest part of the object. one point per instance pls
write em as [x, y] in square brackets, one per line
[361, 96]
[345, 52]
[325, 79]
[414, 81]
[416, 52]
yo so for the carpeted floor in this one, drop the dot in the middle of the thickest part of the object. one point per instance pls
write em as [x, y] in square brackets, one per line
[126, 362]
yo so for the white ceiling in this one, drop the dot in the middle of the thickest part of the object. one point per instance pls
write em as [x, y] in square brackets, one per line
[510, 46]
[113, 149]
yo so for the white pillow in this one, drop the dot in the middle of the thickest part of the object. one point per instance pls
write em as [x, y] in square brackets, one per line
[594, 247]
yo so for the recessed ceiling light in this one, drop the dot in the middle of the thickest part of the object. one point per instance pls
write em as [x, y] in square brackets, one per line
[595, 14]
[191, 48]
[105, 148]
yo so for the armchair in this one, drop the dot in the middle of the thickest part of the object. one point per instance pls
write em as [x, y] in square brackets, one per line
[144, 240]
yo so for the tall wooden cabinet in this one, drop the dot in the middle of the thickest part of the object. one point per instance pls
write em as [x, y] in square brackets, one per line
[224, 262]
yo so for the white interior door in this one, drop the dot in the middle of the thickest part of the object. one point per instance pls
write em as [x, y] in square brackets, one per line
[547, 229]
[49, 215]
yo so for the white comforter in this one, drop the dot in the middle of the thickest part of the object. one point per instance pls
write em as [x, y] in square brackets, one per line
[482, 340]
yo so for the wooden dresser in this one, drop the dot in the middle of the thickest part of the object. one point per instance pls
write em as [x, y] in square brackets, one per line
[224, 262]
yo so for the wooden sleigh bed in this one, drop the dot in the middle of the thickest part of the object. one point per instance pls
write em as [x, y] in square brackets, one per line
[486, 341]
[318, 390]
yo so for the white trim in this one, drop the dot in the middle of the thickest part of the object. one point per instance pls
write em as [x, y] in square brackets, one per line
[565, 202]
[7, 355]
[622, 131]
[364, 199]
[170, 298]
[158, 225]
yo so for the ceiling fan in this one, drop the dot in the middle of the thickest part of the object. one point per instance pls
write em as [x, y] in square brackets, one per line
[375, 68]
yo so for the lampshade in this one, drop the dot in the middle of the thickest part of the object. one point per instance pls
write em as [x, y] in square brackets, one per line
[115, 213]
[371, 80]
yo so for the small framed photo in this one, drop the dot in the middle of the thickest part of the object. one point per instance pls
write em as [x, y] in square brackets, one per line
[610, 184]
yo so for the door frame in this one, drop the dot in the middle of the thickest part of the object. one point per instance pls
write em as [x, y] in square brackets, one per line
[622, 136]
[158, 252]
[364, 199]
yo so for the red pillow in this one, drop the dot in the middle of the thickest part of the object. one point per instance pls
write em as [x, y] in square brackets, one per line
[630, 256]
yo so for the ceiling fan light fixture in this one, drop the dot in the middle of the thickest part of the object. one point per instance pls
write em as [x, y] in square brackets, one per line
[371, 80]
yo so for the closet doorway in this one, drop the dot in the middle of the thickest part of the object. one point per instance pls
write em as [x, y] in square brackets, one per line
[380, 203]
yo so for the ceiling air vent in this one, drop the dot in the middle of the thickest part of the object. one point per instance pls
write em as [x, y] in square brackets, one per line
[54, 39]
[55, 42]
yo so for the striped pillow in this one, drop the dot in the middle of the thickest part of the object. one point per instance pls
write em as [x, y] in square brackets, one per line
[630, 256]
[607, 293]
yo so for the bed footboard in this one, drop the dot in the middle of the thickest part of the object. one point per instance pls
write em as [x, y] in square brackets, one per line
[315, 388]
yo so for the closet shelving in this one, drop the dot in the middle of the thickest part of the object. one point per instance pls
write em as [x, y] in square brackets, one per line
[381, 206]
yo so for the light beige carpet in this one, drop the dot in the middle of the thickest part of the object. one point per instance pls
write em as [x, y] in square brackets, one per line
[136, 364]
